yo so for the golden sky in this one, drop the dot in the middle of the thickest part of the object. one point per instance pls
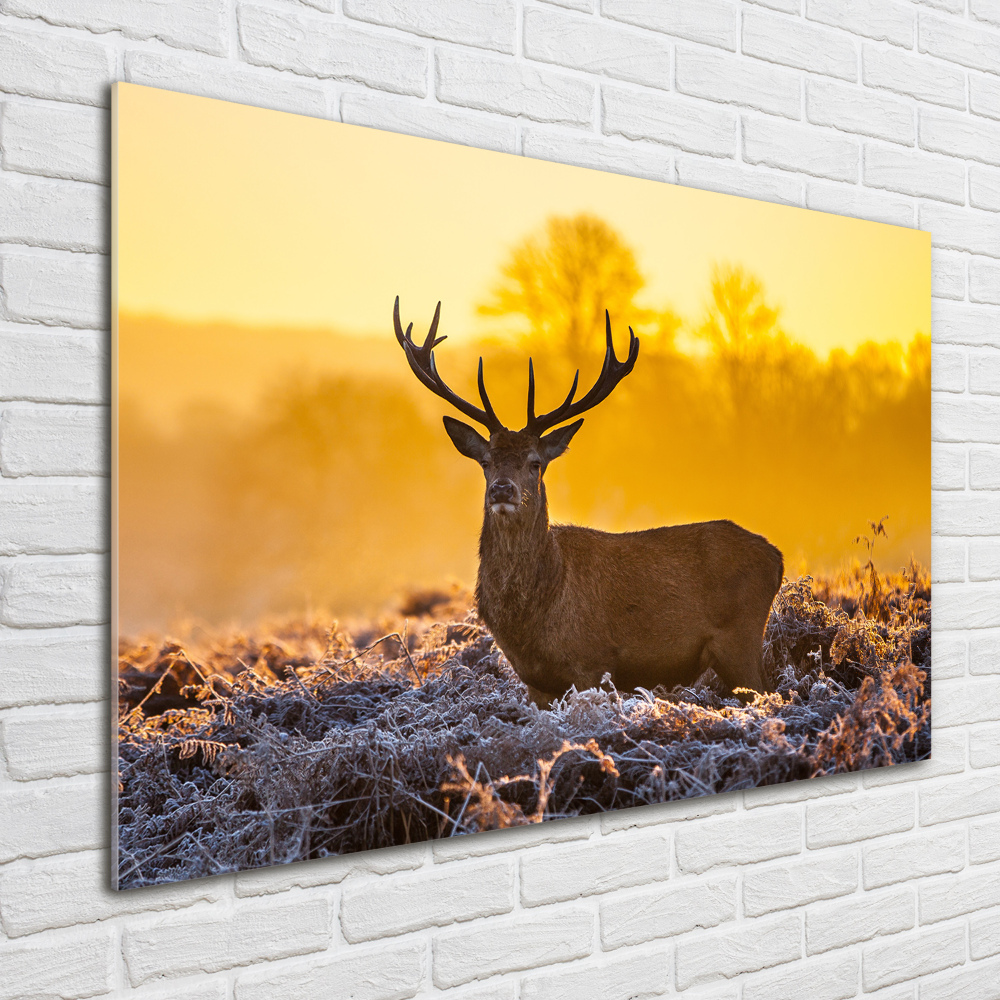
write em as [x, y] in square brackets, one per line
[227, 212]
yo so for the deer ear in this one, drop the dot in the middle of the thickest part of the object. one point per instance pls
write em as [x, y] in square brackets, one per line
[466, 440]
[556, 442]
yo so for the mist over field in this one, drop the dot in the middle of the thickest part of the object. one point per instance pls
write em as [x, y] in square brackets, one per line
[316, 474]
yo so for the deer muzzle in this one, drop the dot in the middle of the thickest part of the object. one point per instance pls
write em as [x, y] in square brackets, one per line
[503, 496]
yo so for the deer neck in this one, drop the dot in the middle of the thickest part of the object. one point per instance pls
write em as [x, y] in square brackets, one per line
[520, 568]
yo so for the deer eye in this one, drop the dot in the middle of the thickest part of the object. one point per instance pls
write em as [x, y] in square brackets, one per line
[536, 466]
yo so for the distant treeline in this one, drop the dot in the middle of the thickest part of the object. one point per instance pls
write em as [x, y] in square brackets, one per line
[341, 492]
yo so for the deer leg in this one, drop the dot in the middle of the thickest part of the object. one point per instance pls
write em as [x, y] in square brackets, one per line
[540, 698]
[737, 663]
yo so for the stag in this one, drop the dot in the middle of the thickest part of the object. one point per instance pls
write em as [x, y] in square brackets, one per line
[568, 604]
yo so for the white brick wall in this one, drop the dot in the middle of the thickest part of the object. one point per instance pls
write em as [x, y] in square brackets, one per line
[885, 884]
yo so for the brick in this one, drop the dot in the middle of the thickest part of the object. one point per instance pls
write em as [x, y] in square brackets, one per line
[963, 229]
[755, 945]
[78, 964]
[59, 67]
[948, 560]
[732, 80]
[411, 117]
[667, 910]
[859, 918]
[53, 440]
[949, 896]
[636, 976]
[797, 883]
[907, 957]
[947, 275]
[208, 943]
[487, 24]
[60, 744]
[984, 95]
[596, 47]
[799, 44]
[821, 979]
[984, 372]
[984, 561]
[743, 838]
[616, 862]
[880, 20]
[855, 201]
[961, 324]
[984, 842]
[46, 592]
[63, 215]
[512, 88]
[985, 10]
[61, 815]
[984, 187]
[959, 135]
[680, 811]
[688, 125]
[984, 935]
[58, 289]
[799, 791]
[948, 370]
[978, 412]
[205, 76]
[730, 178]
[329, 871]
[947, 467]
[196, 24]
[72, 890]
[511, 839]
[383, 973]
[984, 468]
[406, 903]
[965, 514]
[952, 6]
[984, 280]
[914, 173]
[53, 668]
[713, 22]
[859, 817]
[321, 47]
[984, 654]
[966, 702]
[855, 109]
[788, 6]
[968, 605]
[638, 159]
[967, 983]
[960, 42]
[903, 73]
[54, 140]
[52, 518]
[509, 945]
[959, 800]
[50, 366]
[900, 859]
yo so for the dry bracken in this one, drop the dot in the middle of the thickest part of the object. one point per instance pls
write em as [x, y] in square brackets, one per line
[303, 740]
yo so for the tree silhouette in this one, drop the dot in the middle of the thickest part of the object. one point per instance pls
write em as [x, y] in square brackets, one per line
[563, 278]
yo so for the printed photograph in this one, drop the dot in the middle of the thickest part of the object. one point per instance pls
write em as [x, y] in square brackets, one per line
[456, 491]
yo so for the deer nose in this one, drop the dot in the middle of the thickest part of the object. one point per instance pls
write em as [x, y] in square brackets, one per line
[503, 491]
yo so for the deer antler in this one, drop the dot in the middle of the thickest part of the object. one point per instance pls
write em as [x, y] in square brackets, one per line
[612, 373]
[421, 361]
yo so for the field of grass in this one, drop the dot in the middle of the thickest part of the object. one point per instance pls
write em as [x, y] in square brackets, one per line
[304, 739]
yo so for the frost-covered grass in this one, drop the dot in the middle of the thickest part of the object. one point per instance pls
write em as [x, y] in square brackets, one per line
[300, 740]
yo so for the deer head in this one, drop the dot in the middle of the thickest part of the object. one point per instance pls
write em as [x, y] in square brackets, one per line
[513, 462]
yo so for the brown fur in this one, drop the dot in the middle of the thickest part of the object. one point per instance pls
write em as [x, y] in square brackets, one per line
[568, 604]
